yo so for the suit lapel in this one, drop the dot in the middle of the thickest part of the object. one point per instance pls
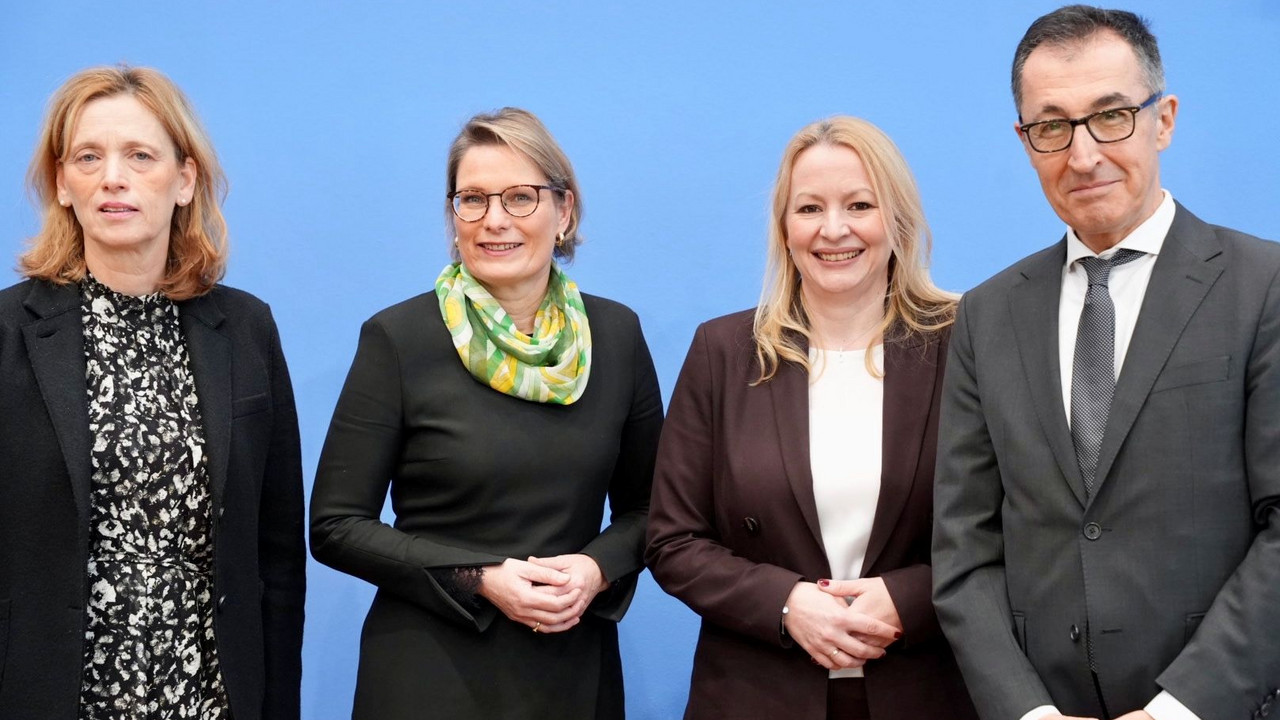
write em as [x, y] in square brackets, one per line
[1033, 305]
[1183, 274]
[210, 353]
[910, 371]
[790, 391]
[55, 346]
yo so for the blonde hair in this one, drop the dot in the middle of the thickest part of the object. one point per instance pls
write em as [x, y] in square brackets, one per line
[913, 304]
[523, 132]
[198, 233]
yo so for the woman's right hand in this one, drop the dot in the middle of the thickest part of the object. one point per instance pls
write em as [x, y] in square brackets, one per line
[833, 634]
[535, 596]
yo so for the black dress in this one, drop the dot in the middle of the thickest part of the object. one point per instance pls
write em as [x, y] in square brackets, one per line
[475, 477]
[149, 642]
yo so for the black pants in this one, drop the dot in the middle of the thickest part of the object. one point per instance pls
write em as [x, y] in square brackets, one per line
[847, 699]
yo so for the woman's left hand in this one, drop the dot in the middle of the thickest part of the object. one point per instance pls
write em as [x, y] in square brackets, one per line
[870, 596]
[584, 574]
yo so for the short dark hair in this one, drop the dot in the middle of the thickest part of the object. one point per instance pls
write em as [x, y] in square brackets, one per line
[1076, 23]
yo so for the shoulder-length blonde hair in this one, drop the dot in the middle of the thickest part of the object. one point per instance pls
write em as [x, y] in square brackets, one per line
[523, 132]
[198, 234]
[913, 304]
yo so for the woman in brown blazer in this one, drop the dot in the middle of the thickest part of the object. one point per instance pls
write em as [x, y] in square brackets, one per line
[792, 499]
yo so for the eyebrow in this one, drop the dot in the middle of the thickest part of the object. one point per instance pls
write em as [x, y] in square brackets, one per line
[848, 192]
[1114, 99]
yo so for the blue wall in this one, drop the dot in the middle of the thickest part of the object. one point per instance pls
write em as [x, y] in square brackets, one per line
[333, 122]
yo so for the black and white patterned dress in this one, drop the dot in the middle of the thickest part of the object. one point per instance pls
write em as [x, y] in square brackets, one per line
[149, 643]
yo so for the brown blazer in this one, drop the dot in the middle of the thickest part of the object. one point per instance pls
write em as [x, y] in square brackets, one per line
[733, 526]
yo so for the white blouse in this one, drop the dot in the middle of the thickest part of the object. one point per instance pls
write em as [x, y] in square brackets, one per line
[846, 417]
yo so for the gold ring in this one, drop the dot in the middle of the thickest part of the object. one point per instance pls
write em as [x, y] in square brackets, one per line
[535, 627]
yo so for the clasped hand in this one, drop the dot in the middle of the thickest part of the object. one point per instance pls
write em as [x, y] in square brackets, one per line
[546, 594]
[838, 632]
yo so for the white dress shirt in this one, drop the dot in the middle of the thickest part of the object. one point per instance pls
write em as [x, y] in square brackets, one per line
[1128, 286]
[846, 411]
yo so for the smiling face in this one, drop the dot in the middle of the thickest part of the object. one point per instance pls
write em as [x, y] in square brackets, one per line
[834, 228]
[1102, 190]
[511, 256]
[122, 177]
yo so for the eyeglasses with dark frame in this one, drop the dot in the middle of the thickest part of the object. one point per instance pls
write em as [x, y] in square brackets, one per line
[1106, 126]
[518, 200]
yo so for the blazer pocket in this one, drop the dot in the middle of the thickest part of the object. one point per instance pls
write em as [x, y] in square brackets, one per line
[250, 405]
[1193, 622]
[1020, 630]
[1194, 373]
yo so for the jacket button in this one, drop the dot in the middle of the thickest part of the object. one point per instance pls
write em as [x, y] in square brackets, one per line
[1266, 707]
[752, 525]
[1075, 633]
[222, 600]
[1093, 531]
[221, 511]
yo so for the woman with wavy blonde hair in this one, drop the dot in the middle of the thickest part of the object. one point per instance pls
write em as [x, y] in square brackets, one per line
[151, 549]
[913, 304]
[792, 500]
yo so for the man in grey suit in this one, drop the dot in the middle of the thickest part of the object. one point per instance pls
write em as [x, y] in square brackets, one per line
[1107, 515]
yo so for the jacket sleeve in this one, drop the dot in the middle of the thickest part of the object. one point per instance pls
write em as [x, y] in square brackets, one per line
[1245, 667]
[911, 590]
[282, 553]
[911, 587]
[685, 552]
[359, 458]
[970, 593]
[619, 548]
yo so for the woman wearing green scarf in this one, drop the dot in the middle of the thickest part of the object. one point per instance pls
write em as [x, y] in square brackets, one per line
[501, 410]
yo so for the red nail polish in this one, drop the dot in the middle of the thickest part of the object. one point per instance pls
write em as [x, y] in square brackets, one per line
[823, 583]
[897, 635]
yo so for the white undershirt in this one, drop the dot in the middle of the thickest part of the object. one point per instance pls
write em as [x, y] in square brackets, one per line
[846, 411]
[1128, 286]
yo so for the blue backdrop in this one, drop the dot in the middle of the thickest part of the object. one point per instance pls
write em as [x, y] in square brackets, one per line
[333, 119]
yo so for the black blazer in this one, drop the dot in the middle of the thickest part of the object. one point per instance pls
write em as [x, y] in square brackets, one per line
[733, 526]
[251, 437]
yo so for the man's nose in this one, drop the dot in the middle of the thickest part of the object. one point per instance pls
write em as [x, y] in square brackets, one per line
[1082, 156]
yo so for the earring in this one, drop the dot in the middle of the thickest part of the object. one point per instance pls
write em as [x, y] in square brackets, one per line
[560, 240]
[455, 241]
[64, 202]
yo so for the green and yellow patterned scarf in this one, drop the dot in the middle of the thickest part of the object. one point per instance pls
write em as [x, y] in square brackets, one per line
[551, 366]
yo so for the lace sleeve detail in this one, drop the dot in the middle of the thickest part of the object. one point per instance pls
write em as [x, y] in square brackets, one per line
[461, 583]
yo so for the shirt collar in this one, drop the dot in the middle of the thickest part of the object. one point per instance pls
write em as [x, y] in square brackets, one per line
[1147, 237]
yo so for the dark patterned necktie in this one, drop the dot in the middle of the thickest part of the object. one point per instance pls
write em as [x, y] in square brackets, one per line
[1093, 375]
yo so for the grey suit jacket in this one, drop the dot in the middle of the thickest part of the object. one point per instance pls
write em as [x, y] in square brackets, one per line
[1168, 575]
